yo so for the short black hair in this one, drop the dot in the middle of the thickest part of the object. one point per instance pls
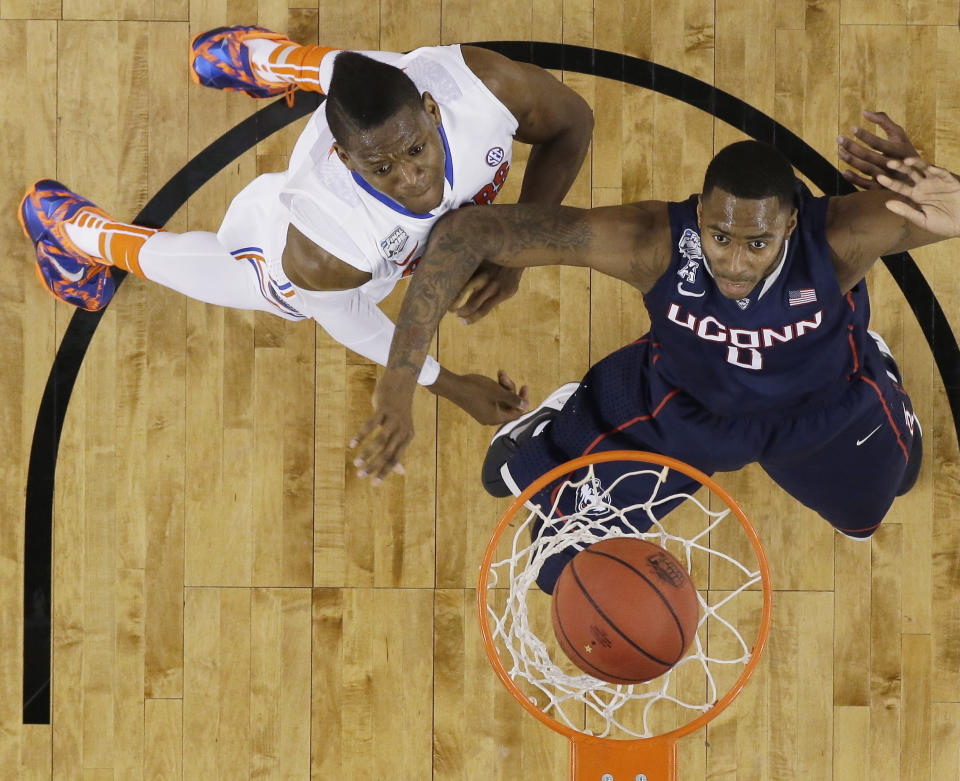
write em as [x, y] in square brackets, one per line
[364, 93]
[751, 169]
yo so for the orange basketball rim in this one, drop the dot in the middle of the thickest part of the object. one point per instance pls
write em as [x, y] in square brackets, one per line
[597, 758]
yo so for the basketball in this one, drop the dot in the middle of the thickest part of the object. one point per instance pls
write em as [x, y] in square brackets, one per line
[625, 610]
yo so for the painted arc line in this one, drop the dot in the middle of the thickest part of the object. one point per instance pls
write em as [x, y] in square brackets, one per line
[38, 515]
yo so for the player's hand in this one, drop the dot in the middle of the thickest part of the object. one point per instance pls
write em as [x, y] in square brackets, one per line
[487, 401]
[871, 155]
[384, 437]
[934, 192]
[489, 286]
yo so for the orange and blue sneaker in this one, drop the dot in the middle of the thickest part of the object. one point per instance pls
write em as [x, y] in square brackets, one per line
[64, 269]
[222, 59]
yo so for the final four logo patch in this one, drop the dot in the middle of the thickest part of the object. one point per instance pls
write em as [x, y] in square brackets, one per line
[495, 156]
[394, 243]
[690, 251]
[689, 246]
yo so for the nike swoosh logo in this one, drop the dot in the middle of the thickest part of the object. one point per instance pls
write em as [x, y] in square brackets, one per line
[76, 276]
[683, 292]
[861, 441]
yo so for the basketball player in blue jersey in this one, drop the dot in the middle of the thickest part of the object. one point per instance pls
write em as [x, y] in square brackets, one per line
[400, 140]
[758, 349]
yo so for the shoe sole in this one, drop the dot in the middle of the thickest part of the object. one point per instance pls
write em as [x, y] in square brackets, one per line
[896, 375]
[23, 224]
[507, 428]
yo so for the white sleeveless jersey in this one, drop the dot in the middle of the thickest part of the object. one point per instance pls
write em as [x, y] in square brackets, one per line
[345, 215]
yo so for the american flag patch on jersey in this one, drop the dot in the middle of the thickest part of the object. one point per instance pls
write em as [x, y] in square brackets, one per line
[806, 296]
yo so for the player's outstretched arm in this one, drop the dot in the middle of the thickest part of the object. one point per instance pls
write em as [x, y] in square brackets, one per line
[558, 123]
[550, 116]
[631, 243]
[861, 228]
[933, 195]
[339, 304]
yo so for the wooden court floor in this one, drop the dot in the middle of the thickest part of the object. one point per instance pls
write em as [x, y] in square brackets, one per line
[229, 602]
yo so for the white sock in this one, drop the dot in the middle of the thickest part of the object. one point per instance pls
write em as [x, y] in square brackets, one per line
[87, 236]
[260, 50]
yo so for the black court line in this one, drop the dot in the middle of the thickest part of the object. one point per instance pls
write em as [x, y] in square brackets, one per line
[38, 538]
[579, 59]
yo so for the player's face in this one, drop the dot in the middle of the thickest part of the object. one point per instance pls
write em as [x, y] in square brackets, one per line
[403, 158]
[742, 238]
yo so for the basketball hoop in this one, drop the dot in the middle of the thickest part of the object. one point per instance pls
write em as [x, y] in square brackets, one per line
[623, 732]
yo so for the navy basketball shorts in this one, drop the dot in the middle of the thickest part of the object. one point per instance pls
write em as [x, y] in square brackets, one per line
[845, 460]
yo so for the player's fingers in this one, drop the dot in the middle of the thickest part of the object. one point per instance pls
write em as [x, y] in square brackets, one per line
[506, 395]
[519, 403]
[915, 216]
[503, 413]
[371, 423]
[859, 156]
[370, 453]
[486, 306]
[476, 283]
[374, 448]
[906, 172]
[505, 382]
[480, 304]
[520, 399]
[936, 172]
[919, 165]
[942, 174]
[895, 185]
[477, 296]
[397, 469]
[369, 462]
[525, 395]
[389, 457]
[887, 147]
[891, 128]
[859, 181]
[862, 165]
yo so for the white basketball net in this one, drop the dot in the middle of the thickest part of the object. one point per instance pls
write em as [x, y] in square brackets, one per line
[571, 699]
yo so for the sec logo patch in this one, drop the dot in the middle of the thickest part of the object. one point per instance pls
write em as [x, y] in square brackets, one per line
[494, 156]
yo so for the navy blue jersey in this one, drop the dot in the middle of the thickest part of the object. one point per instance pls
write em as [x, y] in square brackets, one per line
[787, 377]
[793, 342]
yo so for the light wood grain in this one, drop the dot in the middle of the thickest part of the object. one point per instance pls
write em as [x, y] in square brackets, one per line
[230, 602]
[163, 740]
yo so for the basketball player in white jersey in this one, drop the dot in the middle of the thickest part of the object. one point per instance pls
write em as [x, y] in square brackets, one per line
[401, 140]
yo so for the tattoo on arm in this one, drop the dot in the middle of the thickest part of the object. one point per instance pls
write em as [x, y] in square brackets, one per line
[458, 245]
